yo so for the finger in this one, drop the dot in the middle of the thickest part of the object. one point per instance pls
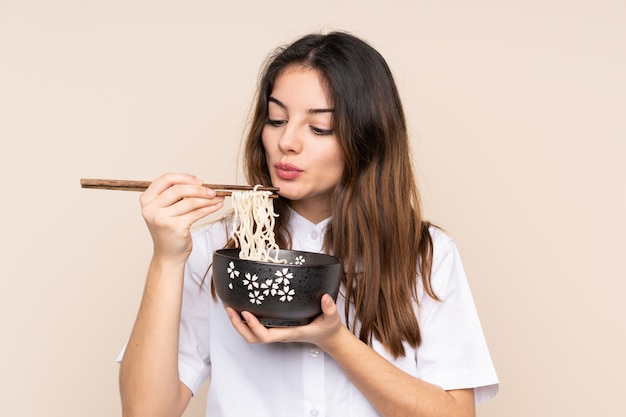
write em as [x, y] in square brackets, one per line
[193, 216]
[166, 181]
[241, 327]
[178, 192]
[258, 329]
[181, 216]
[274, 334]
[171, 205]
[192, 204]
[329, 308]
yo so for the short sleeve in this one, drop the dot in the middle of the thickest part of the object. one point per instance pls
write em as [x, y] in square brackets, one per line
[454, 352]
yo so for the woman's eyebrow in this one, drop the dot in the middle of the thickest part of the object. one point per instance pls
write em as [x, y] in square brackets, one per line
[310, 111]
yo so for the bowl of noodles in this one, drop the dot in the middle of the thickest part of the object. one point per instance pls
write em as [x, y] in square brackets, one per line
[278, 294]
[280, 287]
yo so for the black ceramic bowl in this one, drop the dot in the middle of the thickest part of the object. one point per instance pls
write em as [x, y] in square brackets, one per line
[277, 294]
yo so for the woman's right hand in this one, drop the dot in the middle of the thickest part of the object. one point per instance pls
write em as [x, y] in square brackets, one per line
[170, 206]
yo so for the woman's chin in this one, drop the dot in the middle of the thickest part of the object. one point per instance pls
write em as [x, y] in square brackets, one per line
[289, 196]
[287, 190]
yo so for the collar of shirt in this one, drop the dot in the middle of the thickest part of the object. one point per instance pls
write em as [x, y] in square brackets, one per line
[305, 235]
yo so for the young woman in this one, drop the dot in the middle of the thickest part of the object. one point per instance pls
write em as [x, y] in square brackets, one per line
[403, 338]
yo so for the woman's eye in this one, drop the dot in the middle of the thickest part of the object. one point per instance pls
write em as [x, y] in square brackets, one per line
[275, 122]
[322, 132]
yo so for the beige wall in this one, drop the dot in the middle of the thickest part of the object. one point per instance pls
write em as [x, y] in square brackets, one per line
[517, 113]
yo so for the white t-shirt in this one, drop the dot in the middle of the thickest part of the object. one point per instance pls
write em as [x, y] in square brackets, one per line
[299, 379]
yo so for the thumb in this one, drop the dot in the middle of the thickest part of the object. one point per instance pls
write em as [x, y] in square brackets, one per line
[329, 308]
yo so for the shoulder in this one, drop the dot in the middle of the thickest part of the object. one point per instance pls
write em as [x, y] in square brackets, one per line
[447, 272]
[443, 244]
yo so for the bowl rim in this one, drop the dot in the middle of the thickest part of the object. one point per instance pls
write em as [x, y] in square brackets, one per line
[332, 260]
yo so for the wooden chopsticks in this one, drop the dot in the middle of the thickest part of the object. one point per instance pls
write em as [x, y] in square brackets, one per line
[221, 190]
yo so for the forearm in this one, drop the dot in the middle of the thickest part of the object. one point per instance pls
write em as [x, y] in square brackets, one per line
[149, 379]
[391, 391]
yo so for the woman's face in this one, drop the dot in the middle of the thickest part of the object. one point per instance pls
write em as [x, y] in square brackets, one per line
[303, 154]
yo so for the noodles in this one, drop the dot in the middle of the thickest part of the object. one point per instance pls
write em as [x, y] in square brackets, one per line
[254, 233]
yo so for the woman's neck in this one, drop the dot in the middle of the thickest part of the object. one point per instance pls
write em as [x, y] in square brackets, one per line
[315, 212]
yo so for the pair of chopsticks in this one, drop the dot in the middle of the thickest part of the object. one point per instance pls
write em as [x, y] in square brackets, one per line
[221, 190]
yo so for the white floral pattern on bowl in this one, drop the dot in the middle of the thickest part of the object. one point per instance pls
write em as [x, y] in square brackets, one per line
[272, 287]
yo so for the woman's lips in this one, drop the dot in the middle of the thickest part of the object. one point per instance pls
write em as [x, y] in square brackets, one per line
[287, 171]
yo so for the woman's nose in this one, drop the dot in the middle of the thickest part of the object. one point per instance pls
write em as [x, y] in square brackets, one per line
[290, 141]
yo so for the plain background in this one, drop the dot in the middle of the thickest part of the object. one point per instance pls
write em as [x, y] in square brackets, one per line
[517, 118]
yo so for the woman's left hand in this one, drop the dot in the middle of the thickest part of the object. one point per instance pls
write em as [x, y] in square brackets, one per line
[319, 332]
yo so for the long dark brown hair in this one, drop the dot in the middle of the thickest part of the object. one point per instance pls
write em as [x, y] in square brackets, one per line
[376, 226]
